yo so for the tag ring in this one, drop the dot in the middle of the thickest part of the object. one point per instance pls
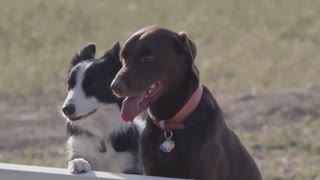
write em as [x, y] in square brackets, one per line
[165, 133]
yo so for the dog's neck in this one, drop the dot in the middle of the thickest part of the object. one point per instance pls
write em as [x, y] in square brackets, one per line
[104, 122]
[175, 97]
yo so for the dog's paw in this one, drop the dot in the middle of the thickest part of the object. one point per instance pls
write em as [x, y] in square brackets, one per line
[79, 165]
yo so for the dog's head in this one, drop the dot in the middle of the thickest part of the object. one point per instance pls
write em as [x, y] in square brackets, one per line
[153, 58]
[89, 81]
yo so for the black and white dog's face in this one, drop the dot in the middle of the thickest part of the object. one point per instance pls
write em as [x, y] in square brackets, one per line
[89, 82]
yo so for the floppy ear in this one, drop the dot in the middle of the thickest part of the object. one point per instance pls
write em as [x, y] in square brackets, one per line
[188, 44]
[190, 48]
[87, 52]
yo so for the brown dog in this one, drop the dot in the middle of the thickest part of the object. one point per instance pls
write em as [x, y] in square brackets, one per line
[186, 135]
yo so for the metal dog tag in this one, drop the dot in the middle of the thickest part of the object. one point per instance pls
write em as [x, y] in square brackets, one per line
[168, 144]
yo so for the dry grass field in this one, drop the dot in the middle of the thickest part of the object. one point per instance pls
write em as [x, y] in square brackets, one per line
[260, 59]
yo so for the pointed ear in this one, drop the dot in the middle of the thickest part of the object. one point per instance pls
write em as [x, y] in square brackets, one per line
[114, 52]
[188, 44]
[190, 48]
[87, 52]
[111, 59]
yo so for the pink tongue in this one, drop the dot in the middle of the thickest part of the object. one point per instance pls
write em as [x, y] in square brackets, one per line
[130, 108]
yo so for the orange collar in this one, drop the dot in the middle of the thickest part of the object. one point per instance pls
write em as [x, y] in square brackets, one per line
[177, 121]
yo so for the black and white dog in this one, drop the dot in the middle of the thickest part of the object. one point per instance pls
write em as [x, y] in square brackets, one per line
[97, 137]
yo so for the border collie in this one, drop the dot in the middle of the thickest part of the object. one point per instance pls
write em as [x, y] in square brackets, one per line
[97, 137]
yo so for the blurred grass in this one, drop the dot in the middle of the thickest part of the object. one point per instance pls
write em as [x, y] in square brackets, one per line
[286, 150]
[242, 45]
[53, 156]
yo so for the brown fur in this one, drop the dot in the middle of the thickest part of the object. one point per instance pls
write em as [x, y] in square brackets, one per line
[206, 148]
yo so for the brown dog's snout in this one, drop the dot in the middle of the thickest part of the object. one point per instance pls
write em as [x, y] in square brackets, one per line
[118, 86]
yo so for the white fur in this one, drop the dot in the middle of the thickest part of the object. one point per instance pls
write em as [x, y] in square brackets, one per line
[105, 121]
[79, 165]
[76, 95]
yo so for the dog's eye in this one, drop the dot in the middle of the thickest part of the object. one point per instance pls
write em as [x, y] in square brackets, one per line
[148, 58]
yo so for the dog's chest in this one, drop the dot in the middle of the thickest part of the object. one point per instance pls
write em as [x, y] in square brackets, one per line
[100, 159]
[88, 145]
[156, 162]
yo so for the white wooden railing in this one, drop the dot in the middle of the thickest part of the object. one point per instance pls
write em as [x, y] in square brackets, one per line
[23, 172]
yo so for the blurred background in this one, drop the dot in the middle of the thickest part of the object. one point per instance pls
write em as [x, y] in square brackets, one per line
[260, 59]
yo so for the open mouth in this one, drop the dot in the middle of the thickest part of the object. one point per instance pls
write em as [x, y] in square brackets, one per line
[73, 118]
[132, 106]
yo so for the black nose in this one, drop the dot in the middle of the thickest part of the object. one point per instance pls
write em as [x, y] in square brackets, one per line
[118, 87]
[69, 109]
